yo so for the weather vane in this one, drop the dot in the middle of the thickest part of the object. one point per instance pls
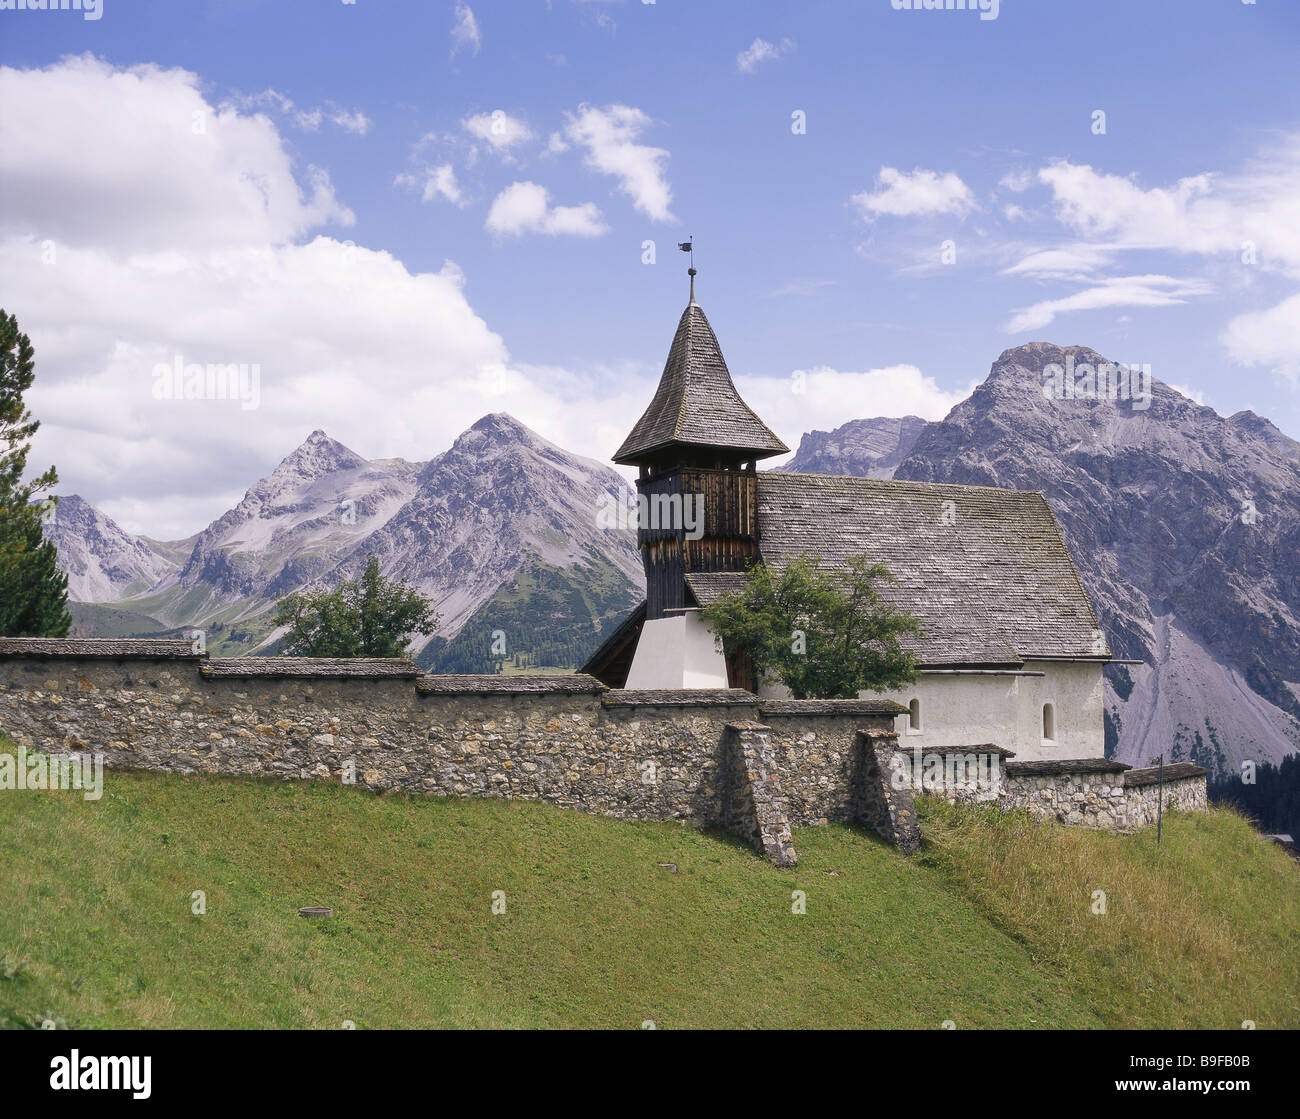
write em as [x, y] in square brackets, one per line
[689, 247]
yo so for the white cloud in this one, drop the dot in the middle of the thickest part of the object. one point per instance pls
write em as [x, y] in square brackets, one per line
[438, 182]
[922, 192]
[609, 136]
[1270, 337]
[827, 398]
[1196, 395]
[1203, 214]
[525, 208]
[1073, 262]
[309, 120]
[1250, 217]
[760, 50]
[1116, 291]
[498, 128]
[1017, 181]
[464, 31]
[159, 251]
[135, 160]
[350, 120]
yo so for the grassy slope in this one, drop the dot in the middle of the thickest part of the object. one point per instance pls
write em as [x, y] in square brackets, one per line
[92, 619]
[989, 926]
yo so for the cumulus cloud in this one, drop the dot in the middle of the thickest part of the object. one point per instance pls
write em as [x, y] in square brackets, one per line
[464, 30]
[350, 120]
[1202, 214]
[759, 51]
[131, 242]
[822, 398]
[525, 208]
[899, 194]
[1270, 337]
[1116, 291]
[135, 160]
[1018, 181]
[437, 183]
[498, 128]
[609, 138]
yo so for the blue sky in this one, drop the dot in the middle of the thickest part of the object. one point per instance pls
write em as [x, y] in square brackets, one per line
[367, 133]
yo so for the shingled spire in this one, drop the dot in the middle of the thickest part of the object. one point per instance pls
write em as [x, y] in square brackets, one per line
[696, 405]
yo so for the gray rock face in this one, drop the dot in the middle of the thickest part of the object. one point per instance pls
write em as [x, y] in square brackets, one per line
[863, 448]
[295, 525]
[500, 494]
[103, 562]
[1184, 525]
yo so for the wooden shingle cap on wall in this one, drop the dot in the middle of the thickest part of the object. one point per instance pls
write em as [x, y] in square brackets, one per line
[159, 648]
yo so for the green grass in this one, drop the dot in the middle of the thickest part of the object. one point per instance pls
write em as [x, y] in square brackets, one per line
[989, 926]
[91, 619]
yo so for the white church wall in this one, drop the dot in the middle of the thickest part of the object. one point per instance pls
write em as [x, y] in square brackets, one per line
[677, 652]
[1006, 710]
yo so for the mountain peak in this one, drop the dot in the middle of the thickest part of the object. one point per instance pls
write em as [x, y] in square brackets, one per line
[497, 429]
[318, 454]
[500, 421]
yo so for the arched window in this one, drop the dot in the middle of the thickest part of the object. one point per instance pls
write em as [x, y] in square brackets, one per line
[1049, 723]
[914, 717]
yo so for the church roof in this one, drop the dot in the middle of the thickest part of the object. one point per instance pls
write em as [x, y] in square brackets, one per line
[996, 586]
[696, 403]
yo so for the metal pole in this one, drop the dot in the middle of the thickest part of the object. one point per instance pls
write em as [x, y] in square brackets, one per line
[1160, 799]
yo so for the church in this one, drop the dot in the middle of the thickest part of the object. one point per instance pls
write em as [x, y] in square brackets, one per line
[1011, 652]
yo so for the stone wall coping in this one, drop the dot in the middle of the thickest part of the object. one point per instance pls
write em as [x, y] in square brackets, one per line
[1150, 775]
[1065, 766]
[72, 647]
[679, 697]
[831, 707]
[748, 725]
[575, 683]
[981, 748]
[325, 668]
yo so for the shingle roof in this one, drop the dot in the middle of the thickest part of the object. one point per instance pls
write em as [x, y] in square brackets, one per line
[567, 683]
[802, 707]
[995, 586]
[163, 648]
[696, 403]
[678, 697]
[1151, 774]
[332, 668]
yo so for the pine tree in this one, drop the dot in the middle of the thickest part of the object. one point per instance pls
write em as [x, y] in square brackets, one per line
[33, 591]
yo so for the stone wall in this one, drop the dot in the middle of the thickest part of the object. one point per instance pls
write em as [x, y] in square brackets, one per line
[717, 757]
[1102, 793]
[753, 804]
[567, 740]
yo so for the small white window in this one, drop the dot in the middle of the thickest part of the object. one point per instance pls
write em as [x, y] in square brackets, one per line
[1049, 723]
[914, 717]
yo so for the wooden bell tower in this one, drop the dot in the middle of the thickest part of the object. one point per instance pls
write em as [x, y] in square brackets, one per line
[697, 446]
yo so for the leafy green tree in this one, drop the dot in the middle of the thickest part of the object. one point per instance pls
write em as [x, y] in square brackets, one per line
[369, 617]
[824, 634]
[33, 591]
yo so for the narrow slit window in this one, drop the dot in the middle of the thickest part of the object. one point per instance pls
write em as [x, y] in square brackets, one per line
[914, 715]
[1049, 723]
